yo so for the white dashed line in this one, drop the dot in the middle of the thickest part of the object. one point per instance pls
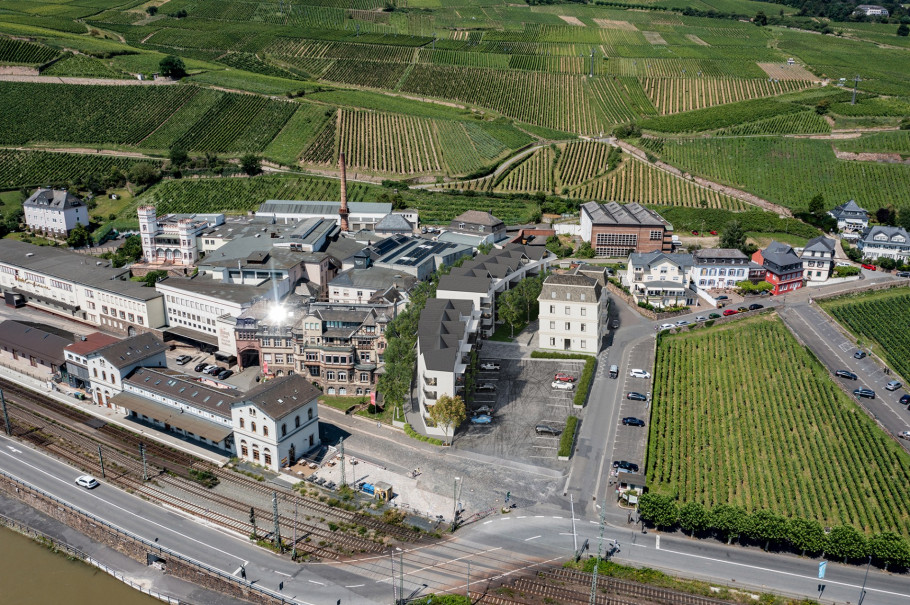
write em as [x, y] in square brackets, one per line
[532, 538]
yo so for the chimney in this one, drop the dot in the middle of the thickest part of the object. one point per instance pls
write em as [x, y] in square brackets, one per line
[343, 211]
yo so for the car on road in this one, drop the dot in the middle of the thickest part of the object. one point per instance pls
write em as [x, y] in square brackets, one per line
[614, 371]
[481, 419]
[484, 409]
[545, 429]
[742, 309]
[637, 373]
[714, 316]
[562, 386]
[490, 366]
[845, 374]
[87, 481]
[225, 374]
[903, 274]
[864, 392]
[636, 396]
[683, 323]
[700, 318]
[563, 377]
[905, 399]
[868, 267]
[756, 307]
[904, 434]
[893, 385]
[730, 312]
[182, 360]
[626, 466]
[666, 327]
[615, 324]
[487, 387]
[633, 421]
[722, 297]
[859, 355]
[201, 366]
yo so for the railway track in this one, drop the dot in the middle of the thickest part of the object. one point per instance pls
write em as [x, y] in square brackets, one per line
[626, 588]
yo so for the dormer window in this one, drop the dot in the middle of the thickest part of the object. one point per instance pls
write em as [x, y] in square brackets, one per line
[252, 411]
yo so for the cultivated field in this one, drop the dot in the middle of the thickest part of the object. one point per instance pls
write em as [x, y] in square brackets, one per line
[744, 415]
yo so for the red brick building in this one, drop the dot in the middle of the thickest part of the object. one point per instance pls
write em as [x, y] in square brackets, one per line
[617, 230]
[783, 268]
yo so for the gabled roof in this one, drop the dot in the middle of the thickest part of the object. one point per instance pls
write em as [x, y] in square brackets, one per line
[439, 331]
[373, 278]
[477, 217]
[131, 350]
[55, 199]
[617, 214]
[890, 232]
[321, 208]
[780, 254]
[394, 222]
[710, 255]
[184, 389]
[850, 209]
[279, 397]
[463, 283]
[650, 259]
[33, 341]
[91, 342]
[821, 243]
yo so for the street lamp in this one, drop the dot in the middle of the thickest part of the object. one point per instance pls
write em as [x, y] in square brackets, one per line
[862, 591]
[455, 504]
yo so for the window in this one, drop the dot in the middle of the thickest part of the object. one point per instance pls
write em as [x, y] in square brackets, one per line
[656, 235]
[253, 426]
[256, 453]
[297, 421]
[364, 377]
[267, 457]
[95, 370]
[568, 296]
[252, 411]
[552, 342]
[330, 375]
[582, 296]
[583, 310]
[552, 325]
[583, 342]
[583, 327]
[104, 309]
[265, 430]
[309, 414]
[552, 309]
[553, 294]
[243, 449]
[242, 423]
[284, 429]
[568, 310]
[568, 325]
[614, 239]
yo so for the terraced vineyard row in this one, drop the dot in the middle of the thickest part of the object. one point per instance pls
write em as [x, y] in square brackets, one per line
[24, 53]
[674, 95]
[581, 161]
[533, 174]
[388, 143]
[796, 435]
[804, 122]
[874, 316]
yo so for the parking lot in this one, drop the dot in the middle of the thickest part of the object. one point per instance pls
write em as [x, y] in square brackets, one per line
[523, 399]
[243, 380]
[631, 441]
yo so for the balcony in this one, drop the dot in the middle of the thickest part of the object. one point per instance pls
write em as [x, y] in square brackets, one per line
[430, 382]
[429, 395]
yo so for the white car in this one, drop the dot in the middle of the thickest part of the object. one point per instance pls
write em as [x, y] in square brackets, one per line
[904, 434]
[701, 318]
[565, 386]
[490, 366]
[844, 264]
[636, 373]
[666, 326]
[683, 322]
[87, 481]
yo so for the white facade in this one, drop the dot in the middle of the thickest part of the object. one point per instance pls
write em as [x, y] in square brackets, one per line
[818, 259]
[172, 239]
[571, 314]
[200, 311]
[267, 441]
[659, 279]
[885, 242]
[54, 211]
[107, 379]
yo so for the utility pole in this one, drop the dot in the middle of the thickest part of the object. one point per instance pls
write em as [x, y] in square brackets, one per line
[341, 454]
[394, 585]
[294, 551]
[145, 472]
[253, 521]
[9, 431]
[862, 591]
[101, 458]
[401, 576]
[600, 545]
[455, 504]
[856, 80]
[467, 591]
[275, 519]
[574, 534]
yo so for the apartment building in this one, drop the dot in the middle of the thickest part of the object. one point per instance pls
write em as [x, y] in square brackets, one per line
[660, 280]
[572, 313]
[54, 212]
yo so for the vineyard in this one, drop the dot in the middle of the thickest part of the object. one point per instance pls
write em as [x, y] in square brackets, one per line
[39, 168]
[794, 435]
[582, 161]
[674, 95]
[18, 52]
[874, 316]
[533, 174]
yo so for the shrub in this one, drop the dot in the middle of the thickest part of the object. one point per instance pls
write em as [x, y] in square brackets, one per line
[567, 440]
[414, 434]
[846, 271]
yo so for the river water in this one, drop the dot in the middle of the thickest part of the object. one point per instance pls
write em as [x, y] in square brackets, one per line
[30, 574]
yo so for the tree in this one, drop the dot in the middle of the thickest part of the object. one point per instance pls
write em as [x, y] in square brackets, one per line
[661, 511]
[733, 236]
[151, 10]
[806, 535]
[693, 517]
[484, 248]
[172, 67]
[251, 164]
[178, 157]
[747, 287]
[903, 30]
[845, 542]
[885, 216]
[509, 309]
[730, 521]
[132, 248]
[768, 527]
[822, 107]
[78, 237]
[760, 19]
[903, 219]
[585, 250]
[817, 205]
[152, 277]
[888, 548]
[143, 173]
[448, 412]
[886, 263]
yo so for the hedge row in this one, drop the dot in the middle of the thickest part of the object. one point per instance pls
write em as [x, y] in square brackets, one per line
[410, 432]
[567, 440]
[587, 374]
[805, 536]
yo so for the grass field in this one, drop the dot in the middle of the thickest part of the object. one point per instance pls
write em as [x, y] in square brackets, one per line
[873, 317]
[727, 427]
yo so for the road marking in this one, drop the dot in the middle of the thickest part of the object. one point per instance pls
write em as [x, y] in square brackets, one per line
[657, 544]
[532, 538]
[315, 582]
[594, 522]
[538, 516]
[237, 571]
[524, 517]
[504, 518]
[355, 586]
[557, 517]
[281, 573]
[487, 522]
[14, 450]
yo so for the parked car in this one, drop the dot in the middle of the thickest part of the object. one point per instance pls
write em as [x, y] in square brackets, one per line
[904, 434]
[756, 307]
[905, 399]
[700, 318]
[183, 360]
[481, 419]
[626, 466]
[742, 309]
[210, 369]
[487, 387]
[868, 267]
[615, 324]
[695, 233]
[543, 429]
[864, 392]
[666, 327]
[562, 386]
[484, 409]
[893, 385]
[637, 373]
[845, 374]
[844, 264]
[903, 274]
[225, 374]
[859, 355]
[682, 323]
[722, 297]
[636, 396]
[87, 481]
[563, 377]
[491, 366]
[714, 316]
[632, 421]
[79, 395]
[201, 366]
[729, 312]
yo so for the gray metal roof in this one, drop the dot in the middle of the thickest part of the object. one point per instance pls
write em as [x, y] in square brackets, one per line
[207, 286]
[477, 217]
[320, 208]
[33, 341]
[849, 210]
[373, 278]
[249, 252]
[172, 416]
[613, 213]
[722, 256]
[136, 348]
[780, 256]
[648, 259]
[56, 199]
[183, 389]
[280, 396]
[572, 284]
[822, 243]
[890, 232]
[395, 223]
[463, 283]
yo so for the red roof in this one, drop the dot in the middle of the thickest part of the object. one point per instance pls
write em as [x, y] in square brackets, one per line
[92, 342]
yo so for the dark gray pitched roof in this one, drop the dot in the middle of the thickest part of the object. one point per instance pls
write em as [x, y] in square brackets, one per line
[477, 217]
[279, 397]
[890, 232]
[652, 258]
[849, 210]
[125, 352]
[183, 388]
[572, 284]
[463, 283]
[394, 222]
[822, 243]
[709, 255]
[613, 213]
[373, 278]
[780, 254]
[57, 199]
[34, 341]
[439, 331]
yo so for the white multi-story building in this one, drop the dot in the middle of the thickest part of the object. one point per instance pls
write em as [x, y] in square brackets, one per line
[888, 242]
[719, 268]
[79, 286]
[54, 212]
[110, 364]
[850, 217]
[171, 239]
[818, 258]
[446, 334]
[659, 279]
[571, 313]
[276, 422]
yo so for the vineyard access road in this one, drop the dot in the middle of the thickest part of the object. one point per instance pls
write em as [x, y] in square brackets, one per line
[84, 81]
[499, 169]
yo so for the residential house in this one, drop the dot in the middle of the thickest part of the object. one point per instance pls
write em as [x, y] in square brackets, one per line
[850, 217]
[818, 258]
[783, 268]
[719, 268]
[110, 364]
[885, 242]
[394, 224]
[413, 255]
[619, 230]
[54, 212]
[483, 226]
[660, 279]
[572, 308]
[359, 285]
[37, 351]
[276, 422]
[76, 354]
